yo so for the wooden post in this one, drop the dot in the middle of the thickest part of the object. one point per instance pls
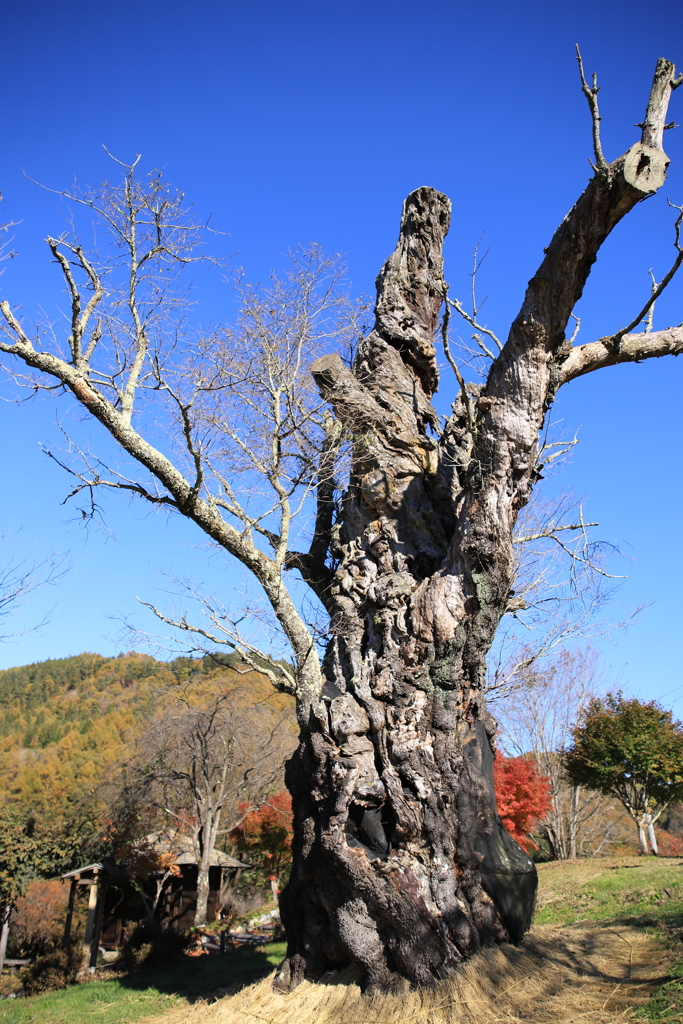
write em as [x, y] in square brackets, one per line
[4, 934]
[95, 941]
[66, 941]
[91, 919]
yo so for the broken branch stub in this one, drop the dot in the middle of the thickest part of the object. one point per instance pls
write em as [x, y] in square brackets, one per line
[410, 284]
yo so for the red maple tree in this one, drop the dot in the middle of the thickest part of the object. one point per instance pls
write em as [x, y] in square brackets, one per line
[523, 796]
[265, 834]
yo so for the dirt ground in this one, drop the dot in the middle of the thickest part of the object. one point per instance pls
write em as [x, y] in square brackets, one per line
[587, 972]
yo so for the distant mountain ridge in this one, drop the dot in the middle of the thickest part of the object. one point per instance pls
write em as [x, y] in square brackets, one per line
[64, 723]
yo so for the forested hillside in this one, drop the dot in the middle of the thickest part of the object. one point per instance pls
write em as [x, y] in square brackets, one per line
[66, 725]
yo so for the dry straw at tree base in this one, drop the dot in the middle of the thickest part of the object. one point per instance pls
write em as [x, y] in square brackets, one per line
[588, 973]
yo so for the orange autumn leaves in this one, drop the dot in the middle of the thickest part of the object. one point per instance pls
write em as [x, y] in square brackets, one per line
[265, 833]
[523, 797]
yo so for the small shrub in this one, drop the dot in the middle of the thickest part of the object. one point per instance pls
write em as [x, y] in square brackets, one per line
[231, 909]
[670, 844]
[52, 972]
[150, 945]
[38, 920]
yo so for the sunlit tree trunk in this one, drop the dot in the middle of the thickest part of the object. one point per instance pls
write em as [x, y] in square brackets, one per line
[5, 914]
[573, 821]
[401, 864]
[205, 845]
[202, 893]
[642, 839]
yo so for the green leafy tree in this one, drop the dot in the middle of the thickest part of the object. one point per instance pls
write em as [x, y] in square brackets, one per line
[28, 850]
[633, 751]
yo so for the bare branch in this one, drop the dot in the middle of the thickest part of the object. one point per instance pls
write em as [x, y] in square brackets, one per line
[458, 307]
[558, 284]
[575, 332]
[655, 124]
[591, 564]
[633, 349]
[226, 634]
[16, 329]
[550, 532]
[562, 448]
[19, 579]
[447, 349]
[657, 289]
[560, 591]
[651, 313]
[591, 94]
[271, 429]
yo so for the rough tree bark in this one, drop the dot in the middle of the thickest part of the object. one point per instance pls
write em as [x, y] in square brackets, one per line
[202, 896]
[401, 865]
[205, 849]
[573, 821]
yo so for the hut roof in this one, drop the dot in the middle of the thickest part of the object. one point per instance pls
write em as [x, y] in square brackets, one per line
[183, 849]
[87, 869]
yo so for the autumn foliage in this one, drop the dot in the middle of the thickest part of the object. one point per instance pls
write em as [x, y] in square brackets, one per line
[265, 834]
[523, 796]
[37, 924]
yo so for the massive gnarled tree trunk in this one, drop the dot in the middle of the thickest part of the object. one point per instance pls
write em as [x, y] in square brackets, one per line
[401, 864]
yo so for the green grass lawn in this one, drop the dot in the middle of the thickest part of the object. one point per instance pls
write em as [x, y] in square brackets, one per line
[632, 890]
[145, 992]
[642, 892]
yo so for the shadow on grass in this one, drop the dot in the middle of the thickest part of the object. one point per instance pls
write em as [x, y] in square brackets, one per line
[193, 978]
[662, 918]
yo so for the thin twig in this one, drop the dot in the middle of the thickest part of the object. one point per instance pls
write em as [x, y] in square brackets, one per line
[454, 366]
[616, 987]
[616, 339]
[650, 315]
[476, 264]
[576, 329]
[458, 307]
[630, 957]
[586, 561]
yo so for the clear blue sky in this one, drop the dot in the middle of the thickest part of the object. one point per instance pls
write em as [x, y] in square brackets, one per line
[310, 121]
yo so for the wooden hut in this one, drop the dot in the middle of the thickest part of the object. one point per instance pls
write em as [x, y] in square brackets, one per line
[178, 901]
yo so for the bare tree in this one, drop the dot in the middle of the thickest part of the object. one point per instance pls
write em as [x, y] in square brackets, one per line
[400, 863]
[537, 718]
[204, 755]
[561, 590]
